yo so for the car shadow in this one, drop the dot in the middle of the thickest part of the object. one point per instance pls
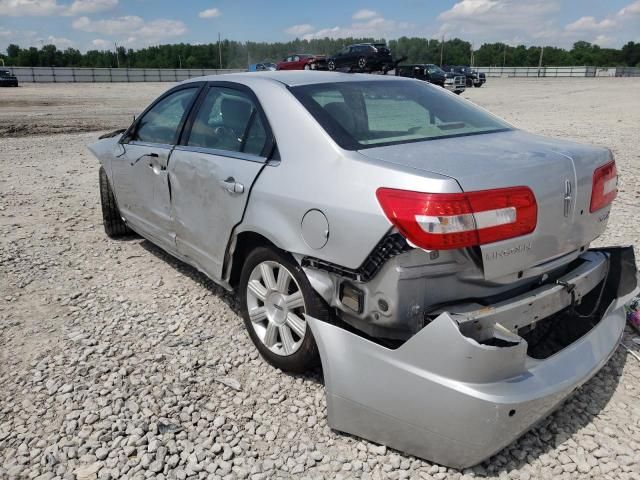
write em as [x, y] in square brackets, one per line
[194, 274]
[229, 298]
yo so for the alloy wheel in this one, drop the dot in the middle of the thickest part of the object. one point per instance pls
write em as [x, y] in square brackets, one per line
[276, 308]
[362, 62]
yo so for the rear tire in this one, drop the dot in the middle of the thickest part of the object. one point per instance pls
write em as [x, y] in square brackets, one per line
[269, 325]
[307, 67]
[362, 63]
[114, 225]
[331, 65]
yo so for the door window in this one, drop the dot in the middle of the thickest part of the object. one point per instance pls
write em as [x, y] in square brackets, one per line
[161, 123]
[228, 120]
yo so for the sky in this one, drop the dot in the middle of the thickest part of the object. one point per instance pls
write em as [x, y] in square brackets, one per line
[98, 24]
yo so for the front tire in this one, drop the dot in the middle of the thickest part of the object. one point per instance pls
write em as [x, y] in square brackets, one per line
[114, 226]
[307, 67]
[275, 294]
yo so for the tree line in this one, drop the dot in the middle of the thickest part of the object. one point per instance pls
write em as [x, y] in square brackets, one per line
[236, 54]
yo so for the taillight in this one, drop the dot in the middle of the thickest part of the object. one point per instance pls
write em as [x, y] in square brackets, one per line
[444, 221]
[605, 186]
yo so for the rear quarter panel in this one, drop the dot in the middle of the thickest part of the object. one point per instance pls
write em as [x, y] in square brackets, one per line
[314, 173]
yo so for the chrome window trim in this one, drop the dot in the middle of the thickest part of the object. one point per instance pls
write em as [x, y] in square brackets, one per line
[223, 153]
[167, 146]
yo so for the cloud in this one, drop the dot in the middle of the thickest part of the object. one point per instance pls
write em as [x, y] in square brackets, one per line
[80, 7]
[364, 14]
[584, 24]
[467, 9]
[630, 10]
[101, 43]
[603, 40]
[60, 42]
[47, 8]
[511, 21]
[133, 30]
[210, 13]
[299, 29]
[20, 8]
[533, 22]
[613, 29]
[30, 38]
[374, 25]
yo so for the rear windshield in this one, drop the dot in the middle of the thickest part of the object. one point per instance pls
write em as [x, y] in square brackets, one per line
[368, 114]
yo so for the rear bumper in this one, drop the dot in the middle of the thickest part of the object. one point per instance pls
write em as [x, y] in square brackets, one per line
[447, 398]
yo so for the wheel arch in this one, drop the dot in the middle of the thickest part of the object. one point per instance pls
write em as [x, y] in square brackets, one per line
[240, 246]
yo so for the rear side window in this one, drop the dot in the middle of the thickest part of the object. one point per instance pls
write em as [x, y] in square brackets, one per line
[228, 120]
[160, 124]
[367, 114]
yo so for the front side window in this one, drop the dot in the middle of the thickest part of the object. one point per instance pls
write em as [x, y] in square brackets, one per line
[161, 123]
[367, 114]
[228, 120]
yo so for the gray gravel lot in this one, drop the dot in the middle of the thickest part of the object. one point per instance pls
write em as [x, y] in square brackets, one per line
[117, 361]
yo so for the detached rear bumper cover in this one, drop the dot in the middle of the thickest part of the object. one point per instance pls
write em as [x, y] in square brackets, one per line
[447, 398]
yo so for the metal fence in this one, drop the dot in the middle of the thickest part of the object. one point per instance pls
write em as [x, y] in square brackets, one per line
[582, 72]
[72, 74]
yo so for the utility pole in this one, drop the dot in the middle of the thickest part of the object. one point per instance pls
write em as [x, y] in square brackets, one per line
[219, 50]
[117, 56]
[441, 50]
[471, 56]
[180, 61]
[504, 56]
[540, 61]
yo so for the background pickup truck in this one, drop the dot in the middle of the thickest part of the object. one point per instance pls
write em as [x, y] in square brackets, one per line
[433, 74]
[472, 76]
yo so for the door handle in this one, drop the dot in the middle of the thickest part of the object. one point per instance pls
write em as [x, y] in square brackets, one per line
[231, 186]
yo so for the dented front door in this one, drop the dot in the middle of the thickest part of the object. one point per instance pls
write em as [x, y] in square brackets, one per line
[211, 174]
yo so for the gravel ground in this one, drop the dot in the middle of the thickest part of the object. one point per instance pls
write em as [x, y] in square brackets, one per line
[117, 361]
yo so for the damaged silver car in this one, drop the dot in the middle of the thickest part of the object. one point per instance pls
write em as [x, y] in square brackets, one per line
[433, 257]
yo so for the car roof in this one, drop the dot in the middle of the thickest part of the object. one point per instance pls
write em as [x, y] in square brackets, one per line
[294, 78]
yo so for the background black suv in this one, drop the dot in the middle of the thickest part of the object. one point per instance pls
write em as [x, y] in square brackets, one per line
[7, 79]
[365, 57]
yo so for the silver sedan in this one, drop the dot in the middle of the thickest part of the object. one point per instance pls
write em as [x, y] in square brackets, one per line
[434, 258]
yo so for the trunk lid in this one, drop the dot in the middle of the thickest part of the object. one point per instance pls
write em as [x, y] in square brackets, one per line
[560, 173]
